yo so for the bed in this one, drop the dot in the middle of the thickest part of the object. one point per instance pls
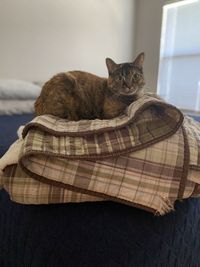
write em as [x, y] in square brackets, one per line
[93, 234]
[9, 126]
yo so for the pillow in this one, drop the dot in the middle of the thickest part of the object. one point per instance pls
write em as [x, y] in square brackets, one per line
[10, 107]
[18, 89]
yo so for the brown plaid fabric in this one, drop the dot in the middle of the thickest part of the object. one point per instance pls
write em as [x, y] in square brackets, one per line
[23, 189]
[146, 158]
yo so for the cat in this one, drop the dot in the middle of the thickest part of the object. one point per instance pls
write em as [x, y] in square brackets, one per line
[77, 95]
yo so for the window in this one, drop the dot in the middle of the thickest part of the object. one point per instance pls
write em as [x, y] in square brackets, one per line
[179, 68]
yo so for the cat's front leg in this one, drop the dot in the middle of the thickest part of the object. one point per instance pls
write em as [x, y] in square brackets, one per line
[112, 108]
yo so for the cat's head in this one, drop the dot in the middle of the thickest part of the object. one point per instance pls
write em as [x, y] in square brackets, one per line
[126, 79]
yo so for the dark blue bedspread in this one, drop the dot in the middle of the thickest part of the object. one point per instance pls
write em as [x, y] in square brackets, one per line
[98, 235]
[102, 234]
[8, 129]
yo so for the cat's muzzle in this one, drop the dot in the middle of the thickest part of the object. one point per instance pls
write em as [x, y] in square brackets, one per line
[129, 91]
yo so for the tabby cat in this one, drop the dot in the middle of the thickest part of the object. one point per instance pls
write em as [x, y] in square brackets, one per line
[77, 95]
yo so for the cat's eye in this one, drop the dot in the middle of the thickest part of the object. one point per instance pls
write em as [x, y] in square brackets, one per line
[136, 76]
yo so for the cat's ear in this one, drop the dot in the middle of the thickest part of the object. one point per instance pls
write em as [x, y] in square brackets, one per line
[111, 65]
[139, 60]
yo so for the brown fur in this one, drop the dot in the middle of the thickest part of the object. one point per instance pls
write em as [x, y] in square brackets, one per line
[77, 95]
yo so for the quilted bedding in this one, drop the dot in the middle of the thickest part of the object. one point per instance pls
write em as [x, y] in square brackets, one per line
[148, 158]
[101, 234]
[8, 129]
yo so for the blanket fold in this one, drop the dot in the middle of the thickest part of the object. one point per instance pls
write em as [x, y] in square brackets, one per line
[145, 122]
[148, 157]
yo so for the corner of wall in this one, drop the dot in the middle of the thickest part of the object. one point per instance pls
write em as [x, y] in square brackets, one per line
[147, 36]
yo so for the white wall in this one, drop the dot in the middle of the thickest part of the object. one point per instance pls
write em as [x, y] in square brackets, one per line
[42, 37]
[148, 30]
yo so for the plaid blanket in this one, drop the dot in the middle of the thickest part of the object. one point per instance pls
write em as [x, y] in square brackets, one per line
[148, 157]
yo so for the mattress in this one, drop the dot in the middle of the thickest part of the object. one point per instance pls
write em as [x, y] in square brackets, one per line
[93, 234]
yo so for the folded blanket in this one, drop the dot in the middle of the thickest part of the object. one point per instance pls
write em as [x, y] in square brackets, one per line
[149, 157]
